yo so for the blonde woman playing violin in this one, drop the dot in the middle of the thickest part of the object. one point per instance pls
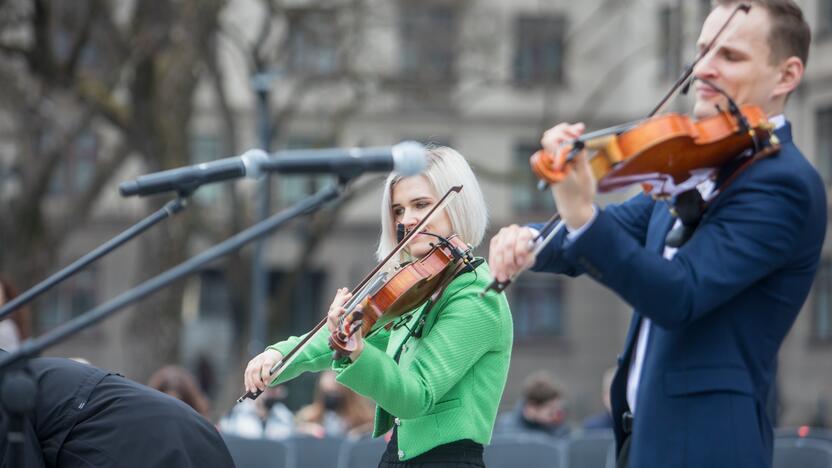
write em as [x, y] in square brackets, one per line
[436, 373]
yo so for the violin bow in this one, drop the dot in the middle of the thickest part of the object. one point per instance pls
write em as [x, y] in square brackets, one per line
[547, 233]
[283, 363]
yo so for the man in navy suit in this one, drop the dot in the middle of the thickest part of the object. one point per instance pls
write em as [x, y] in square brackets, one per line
[698, 363]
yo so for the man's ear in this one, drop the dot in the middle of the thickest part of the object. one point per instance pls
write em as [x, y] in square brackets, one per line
[791, 72]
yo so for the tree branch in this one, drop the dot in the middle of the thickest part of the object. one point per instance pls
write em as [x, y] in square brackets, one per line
[81, 207]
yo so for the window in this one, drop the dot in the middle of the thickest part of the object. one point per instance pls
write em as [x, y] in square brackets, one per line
[293, 188]
[313, 41]
[822, 303]
[306, 305]
[76, 168]
[824, 18]
[68, 300]
[214, 295]
[525, 195]
[705, 7]
[537, 306]
[670, 42]
[206, 148]
[823, 155]
[538, 53]
[428, 36]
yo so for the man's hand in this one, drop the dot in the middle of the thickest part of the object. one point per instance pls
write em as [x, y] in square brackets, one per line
[575, 194]
[511, 252]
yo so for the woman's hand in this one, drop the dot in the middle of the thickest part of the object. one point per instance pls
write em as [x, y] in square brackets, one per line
[359, 344]
[256, 376]
[336, 311]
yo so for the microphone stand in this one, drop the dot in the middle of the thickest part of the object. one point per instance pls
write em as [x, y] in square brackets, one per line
[171, 208]
[18, 389]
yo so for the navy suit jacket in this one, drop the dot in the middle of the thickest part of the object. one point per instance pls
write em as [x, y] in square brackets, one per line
[719, 309]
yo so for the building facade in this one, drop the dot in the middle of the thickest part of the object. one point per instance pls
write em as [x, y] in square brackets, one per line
[486, 77]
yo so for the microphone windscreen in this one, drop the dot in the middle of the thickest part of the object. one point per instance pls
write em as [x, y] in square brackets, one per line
[409, 158]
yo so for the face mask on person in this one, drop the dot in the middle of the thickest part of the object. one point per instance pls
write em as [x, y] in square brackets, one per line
[271, 401]
[333, 401]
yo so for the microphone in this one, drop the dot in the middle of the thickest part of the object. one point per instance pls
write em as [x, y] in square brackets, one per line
[687, 85]
[189, 178]
[407, 158]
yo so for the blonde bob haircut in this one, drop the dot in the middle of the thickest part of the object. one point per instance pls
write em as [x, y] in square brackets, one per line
[467, 211]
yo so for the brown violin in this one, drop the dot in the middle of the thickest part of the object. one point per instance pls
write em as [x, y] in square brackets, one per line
[669, 153]
[394, 293]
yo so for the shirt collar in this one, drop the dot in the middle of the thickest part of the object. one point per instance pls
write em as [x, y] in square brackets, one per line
[778, 120]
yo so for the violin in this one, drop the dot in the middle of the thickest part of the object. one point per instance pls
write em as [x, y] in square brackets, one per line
[373, 296]
[394, 293]
[668, 154]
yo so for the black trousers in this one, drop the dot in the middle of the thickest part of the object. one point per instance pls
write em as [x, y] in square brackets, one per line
[458, 454]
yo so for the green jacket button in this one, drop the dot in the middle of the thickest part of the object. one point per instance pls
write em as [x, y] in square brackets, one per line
[401, 454]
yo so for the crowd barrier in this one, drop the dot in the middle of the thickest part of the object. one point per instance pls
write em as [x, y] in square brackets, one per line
[793, 448]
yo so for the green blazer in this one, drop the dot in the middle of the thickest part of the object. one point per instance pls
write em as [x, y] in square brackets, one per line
[447, 384]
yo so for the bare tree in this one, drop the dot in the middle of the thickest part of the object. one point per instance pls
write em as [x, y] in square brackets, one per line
[88, 67]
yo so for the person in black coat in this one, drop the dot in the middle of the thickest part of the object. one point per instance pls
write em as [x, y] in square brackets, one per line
[87, 417]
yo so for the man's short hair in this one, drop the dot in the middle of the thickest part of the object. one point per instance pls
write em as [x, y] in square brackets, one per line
[540, 388]
[789, 34]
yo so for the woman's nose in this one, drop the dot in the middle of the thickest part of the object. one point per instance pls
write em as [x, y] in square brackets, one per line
[409, 219]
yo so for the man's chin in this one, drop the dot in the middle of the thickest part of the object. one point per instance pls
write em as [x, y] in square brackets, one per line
[703, 109]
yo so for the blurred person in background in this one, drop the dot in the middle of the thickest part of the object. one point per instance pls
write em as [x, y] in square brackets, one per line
[335, 411]
[205, 375]
[16, 327]
[181, 384]
[603, 420]
[539, 412]
[266, 417]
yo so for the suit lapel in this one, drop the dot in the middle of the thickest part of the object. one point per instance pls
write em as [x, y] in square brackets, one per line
[660, 223]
